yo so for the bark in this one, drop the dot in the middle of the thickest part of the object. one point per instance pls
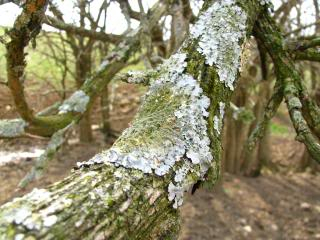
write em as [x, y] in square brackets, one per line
[83, 71]
[176, 129]
[105, 113]
[181, 16]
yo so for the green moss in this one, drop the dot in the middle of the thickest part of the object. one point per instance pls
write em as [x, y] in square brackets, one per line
[154, 123]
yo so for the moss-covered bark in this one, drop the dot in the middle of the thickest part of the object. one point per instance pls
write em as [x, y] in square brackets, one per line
[304, 113]
[107, 198]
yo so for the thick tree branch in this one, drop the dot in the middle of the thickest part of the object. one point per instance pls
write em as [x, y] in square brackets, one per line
[25, 28]
[127, 191]
[40, 166]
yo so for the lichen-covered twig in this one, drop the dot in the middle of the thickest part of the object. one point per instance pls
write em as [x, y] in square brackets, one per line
[55, 143]
[12, 128]
[269, 112]
[295, 109]
[137, 77]
[294, 92]
[307, 55]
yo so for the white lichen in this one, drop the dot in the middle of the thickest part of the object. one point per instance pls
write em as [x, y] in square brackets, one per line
[220, 30]
[21, 214]
[39, 195]
[12, 128]
[136, 77]
[77, 102]
[50, 220]
[218, 120]
[19, 236]
[266, 2]
[57, 205]
[124, 206]
[175, 194]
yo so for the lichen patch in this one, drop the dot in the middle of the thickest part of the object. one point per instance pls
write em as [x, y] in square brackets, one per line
[77, 102]
[218, 119]
[12, 128]
[220, 30]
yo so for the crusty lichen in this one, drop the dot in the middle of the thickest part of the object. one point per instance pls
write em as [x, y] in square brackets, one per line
[12, 128]
[23, 215]
[219, 30]
[218, 119]
[77, 102]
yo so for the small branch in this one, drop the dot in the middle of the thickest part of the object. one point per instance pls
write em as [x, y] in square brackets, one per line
[17, 2]
[55, 143]
[4, 83]
[302, 28]
[309, 43]
[304, 134]
[137, 77]
[307, 55]
[269, 112]
[53, 22]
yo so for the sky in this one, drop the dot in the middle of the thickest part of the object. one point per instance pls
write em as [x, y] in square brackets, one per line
[9, 12]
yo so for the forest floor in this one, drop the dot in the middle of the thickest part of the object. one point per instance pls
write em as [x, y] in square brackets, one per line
[283, 205]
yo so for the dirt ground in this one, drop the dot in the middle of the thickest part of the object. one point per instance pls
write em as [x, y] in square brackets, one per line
[272, 206]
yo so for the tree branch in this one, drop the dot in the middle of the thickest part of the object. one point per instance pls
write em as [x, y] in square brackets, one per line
[101, 36]
[26, 27]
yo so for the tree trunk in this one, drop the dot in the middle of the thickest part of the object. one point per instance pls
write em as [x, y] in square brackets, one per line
[132, 190]
[83, 70]
[181, 14]
[255, 159]
[236, 130]
[105, 113]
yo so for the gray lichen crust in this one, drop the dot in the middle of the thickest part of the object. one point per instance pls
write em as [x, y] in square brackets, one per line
[170, 127]
[219, 31]
[23, 215]
[12, 128]
[218, 119]
[77, 102]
